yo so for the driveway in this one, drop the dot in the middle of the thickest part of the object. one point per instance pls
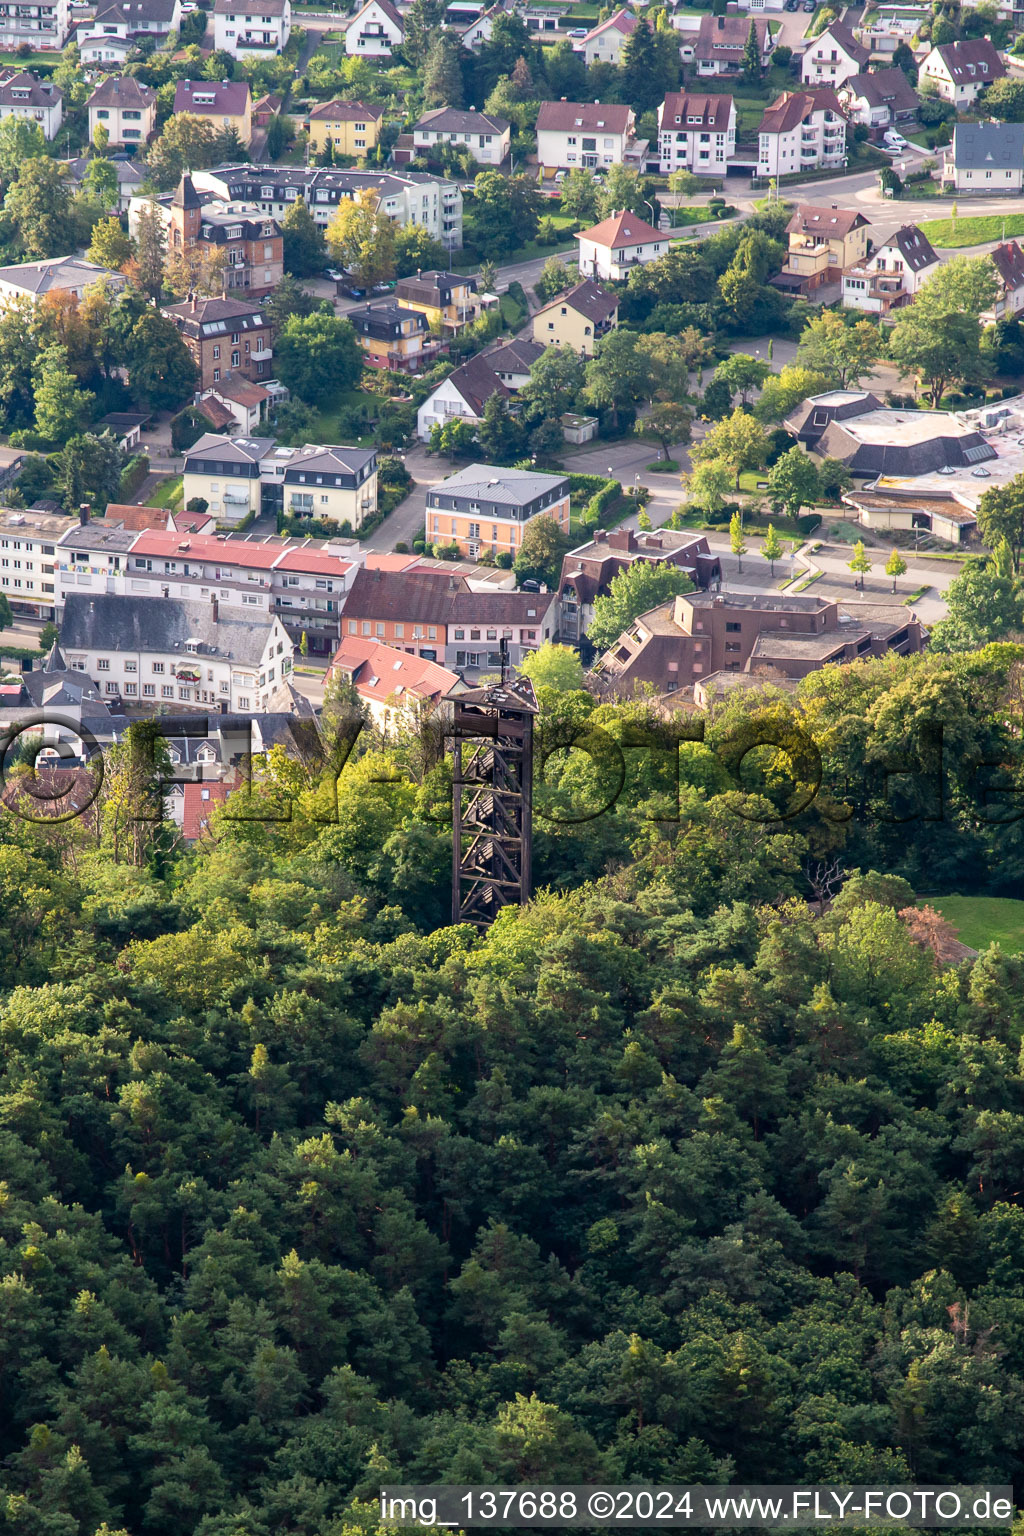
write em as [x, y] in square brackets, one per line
[406, 520]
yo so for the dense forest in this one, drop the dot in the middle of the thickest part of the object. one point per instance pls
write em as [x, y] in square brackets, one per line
[683, 1172]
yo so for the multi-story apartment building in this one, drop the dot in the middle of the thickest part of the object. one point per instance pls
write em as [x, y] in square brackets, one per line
[802, 131]
[255, 30]
[374, 31]
[40, 25]
[393, 337]
[225, 104]
[985, 158]
[483, 507]
[28, 555]
[448, 300]
[407, 198]
[251, 242]
[36, 101]
[578, 318]
[349, 127]
[573, 134]
[823, 242]
[175, 652]
[696, 133]
[833, 57]
[486, 138]
[125, 108]
[226, 337]
[588, 572]
[238, 477]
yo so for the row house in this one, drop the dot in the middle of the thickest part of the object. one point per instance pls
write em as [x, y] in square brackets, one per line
[225, 337]
[485, 507]
[833, 57]
[588, 572]
[696, 133]
[891, 275]
[802, 131]
[254, 31]
[125, 108]
[393, 337]
[823, 242]
[347, 127]
[437, 616]
[375, 31]
[24, 96]
[225, 104]
[487, 138]
[176, 653]
[587, 135]
[406, 198]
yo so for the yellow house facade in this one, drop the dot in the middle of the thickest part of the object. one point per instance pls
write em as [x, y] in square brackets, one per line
[577, 319]
[349, 127]
[448, 301]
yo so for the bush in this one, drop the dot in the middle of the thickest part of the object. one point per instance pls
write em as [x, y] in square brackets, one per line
[783, 55]
[132, 476]
[503, 560]
[599, 504]
[188, 427]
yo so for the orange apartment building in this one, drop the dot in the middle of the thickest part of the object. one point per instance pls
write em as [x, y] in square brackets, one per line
[484, 507]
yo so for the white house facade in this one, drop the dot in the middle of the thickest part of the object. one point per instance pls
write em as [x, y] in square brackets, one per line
[374, 31]
[696, 133]
[253, 31]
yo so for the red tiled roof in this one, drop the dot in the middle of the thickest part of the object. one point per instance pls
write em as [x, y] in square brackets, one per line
[793, 106]
[680, 106]
[380, 671]
[623, 21]
[620, 230]
[346, 111]
[588, 116]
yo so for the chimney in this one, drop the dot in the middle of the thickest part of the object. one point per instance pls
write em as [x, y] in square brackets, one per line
[215, 607]
[721, 23]
[193, 302]
[83, 513]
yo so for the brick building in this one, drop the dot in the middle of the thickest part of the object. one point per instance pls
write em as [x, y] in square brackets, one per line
[225, 337]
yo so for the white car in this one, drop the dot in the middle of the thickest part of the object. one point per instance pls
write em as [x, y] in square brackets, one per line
[895, 140]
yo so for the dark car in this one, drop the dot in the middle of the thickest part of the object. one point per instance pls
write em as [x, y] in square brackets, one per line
[529, 585]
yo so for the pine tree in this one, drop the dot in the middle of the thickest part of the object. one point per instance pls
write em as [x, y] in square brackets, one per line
[442, 73]
[751, 65]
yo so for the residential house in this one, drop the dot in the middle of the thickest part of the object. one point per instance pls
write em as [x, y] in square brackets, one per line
[253, 31]
[1008, 260]
[587, 134]
[511, 361]
[891, 275]
[225, 104]
[28, 542]
[484, 507]
[130, 176]
[374, 31]
[577, 318]
[823, 242]
[883, 31]
[225, 473]
[22, 95]
[833, 57]
[487, 138]
[398, 690]
[985, 157]
[604, 43]
[63, 274]
[436, 614]
[264, 109]
[721, 41]
[225, 337]
[39, 23]
[611, 249]
[240, 476]
[880, 99]
[349, 127]
[125, 108]
[464, 394]
[152, 18]
[696, 634]
[409, 198]
[802, 131]
[235, 405]
[393, 337]
[106, 38]
[448, 300]
[961, 71]
[696, 133]
[588, 571]
[250, 241]
[175, 652]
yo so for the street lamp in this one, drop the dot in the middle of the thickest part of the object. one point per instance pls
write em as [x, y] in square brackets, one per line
[649, 205]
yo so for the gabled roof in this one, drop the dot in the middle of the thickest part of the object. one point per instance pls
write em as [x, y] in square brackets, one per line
[623, 21]
[988, 146]
[972, 62]
[455, 120]
[883, 88]
[389, 11]
[620, 230]
[476, 381]
[221, 98]
[216, 312]
[792, 107]
[19, 88]
[812, 219]
[587, 116]
[381, 672]
[267, 7]
[116, 624]
[340, 111]
[61, 272]
[122, 91]
[1008, 261]
[680, 108]
[914, 247]
[843, 38]
[721, 36]
[587, 298]
[241, 391]
[516, 356]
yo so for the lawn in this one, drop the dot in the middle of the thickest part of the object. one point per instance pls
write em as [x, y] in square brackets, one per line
[983, 920]
[328, 427]
[167, 494]
[974, 230]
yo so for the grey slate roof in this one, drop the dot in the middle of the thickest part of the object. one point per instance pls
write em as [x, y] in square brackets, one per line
[228, 450]
[914, 247]
[988, 146]
[516, 356]
[508, 487]
[115, 624]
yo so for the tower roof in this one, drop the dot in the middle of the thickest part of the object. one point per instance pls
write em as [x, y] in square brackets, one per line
[186, 195]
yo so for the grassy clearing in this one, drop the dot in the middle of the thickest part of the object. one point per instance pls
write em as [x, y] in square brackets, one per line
[983, 920]
[662, 467]
[167, 494]
[949, 234]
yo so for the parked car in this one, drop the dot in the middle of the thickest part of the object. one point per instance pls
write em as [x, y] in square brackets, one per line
[791, 5]
[810, 6]
[577, 32]
[894, 140]
[561, 175]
